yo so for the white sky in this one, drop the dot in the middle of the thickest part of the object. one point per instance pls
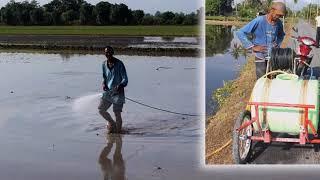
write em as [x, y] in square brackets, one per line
[149, 6]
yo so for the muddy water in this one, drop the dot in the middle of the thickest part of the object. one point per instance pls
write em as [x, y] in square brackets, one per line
[50, 128]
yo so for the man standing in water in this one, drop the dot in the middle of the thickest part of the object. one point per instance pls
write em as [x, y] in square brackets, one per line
[114, 80]
[267, 32]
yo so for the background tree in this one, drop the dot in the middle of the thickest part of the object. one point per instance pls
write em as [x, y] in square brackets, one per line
[74, 12]
[218, 7]
[103, 12]
[87, 14]
[137, 16]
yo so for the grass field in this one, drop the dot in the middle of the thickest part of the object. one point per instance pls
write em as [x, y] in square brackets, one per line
[102, 30]
[227, 18]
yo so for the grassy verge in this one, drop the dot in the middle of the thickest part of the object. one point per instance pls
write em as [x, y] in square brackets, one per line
[102, 30]
[236, 21]
[228, 18]
[220, 126]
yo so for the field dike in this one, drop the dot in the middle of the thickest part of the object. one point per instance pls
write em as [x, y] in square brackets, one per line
[219, 128]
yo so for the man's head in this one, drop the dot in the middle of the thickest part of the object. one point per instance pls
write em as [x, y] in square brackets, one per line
[108, 50]
[277, 10]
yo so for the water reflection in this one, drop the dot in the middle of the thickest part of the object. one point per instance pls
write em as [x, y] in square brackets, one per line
[112, 169]
[218, 39]
[171, 39]
[66, 56]
[237, 51]
[225, 56]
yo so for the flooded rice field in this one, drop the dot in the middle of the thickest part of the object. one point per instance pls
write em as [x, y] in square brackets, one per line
[50, 127]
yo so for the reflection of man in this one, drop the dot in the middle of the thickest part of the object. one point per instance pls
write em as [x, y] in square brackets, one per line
[114, 80]
[115, 171]
[267, 33]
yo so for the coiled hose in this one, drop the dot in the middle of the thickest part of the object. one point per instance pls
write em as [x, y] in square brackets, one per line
[281, 59]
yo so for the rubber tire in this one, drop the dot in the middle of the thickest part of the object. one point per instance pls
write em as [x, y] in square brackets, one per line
[235, 142]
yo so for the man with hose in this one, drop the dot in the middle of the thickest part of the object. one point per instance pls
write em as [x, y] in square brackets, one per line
[266, 32]
[114, 80]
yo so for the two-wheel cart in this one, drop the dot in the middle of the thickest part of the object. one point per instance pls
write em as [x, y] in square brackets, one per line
[286, 105]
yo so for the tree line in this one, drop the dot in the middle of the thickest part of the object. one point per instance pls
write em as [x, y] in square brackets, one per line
[80, 12]
[246, 8]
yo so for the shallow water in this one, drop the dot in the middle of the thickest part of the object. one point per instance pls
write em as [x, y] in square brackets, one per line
[190, 40]
[50, 127]
[168, 42]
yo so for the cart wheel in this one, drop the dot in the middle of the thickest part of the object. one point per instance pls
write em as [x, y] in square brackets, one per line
[241, 144]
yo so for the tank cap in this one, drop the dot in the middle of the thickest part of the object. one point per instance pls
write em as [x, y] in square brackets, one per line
[287, 77]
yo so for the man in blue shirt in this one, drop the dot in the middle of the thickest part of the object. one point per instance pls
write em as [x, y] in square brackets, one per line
[114, 80]
[267, 32]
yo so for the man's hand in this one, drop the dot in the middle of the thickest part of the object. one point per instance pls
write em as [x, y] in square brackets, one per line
[258, 48]
[118, 87]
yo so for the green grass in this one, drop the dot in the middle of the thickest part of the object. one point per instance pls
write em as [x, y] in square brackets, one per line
[227, 18]
[102, 30]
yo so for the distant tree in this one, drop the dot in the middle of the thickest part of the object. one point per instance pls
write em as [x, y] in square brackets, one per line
[125, 14]
[37, 16]
[103, 11]
[70, 12]
[55, 8]
[148, 19]
[137, 16]
[178, 18]
[120, 14]
[48, 18]
[157, 18]
[11, 14]
[167, 18]
[69, 17]
[190, 19]
[87, 14]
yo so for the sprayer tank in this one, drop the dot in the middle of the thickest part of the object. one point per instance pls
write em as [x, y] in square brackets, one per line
[285, 89]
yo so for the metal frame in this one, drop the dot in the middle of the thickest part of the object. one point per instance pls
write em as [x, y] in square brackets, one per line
[265, 135]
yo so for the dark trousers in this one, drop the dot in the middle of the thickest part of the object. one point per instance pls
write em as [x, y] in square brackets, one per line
[261, 67]
[318, 36]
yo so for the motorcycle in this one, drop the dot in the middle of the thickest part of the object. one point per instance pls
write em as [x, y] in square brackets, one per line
[303, 56]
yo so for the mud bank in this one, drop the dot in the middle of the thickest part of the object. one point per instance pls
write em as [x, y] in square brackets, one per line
[95, 44]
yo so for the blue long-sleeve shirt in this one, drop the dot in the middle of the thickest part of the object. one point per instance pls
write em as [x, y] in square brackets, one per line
[264, 34]
[114, 77]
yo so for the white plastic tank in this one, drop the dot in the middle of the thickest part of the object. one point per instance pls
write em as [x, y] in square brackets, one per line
[285, 88]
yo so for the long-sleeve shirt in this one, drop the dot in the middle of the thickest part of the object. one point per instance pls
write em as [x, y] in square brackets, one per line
[264, 34]
[114, 77]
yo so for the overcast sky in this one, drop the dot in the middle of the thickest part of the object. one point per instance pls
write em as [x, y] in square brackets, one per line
[149, 6]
